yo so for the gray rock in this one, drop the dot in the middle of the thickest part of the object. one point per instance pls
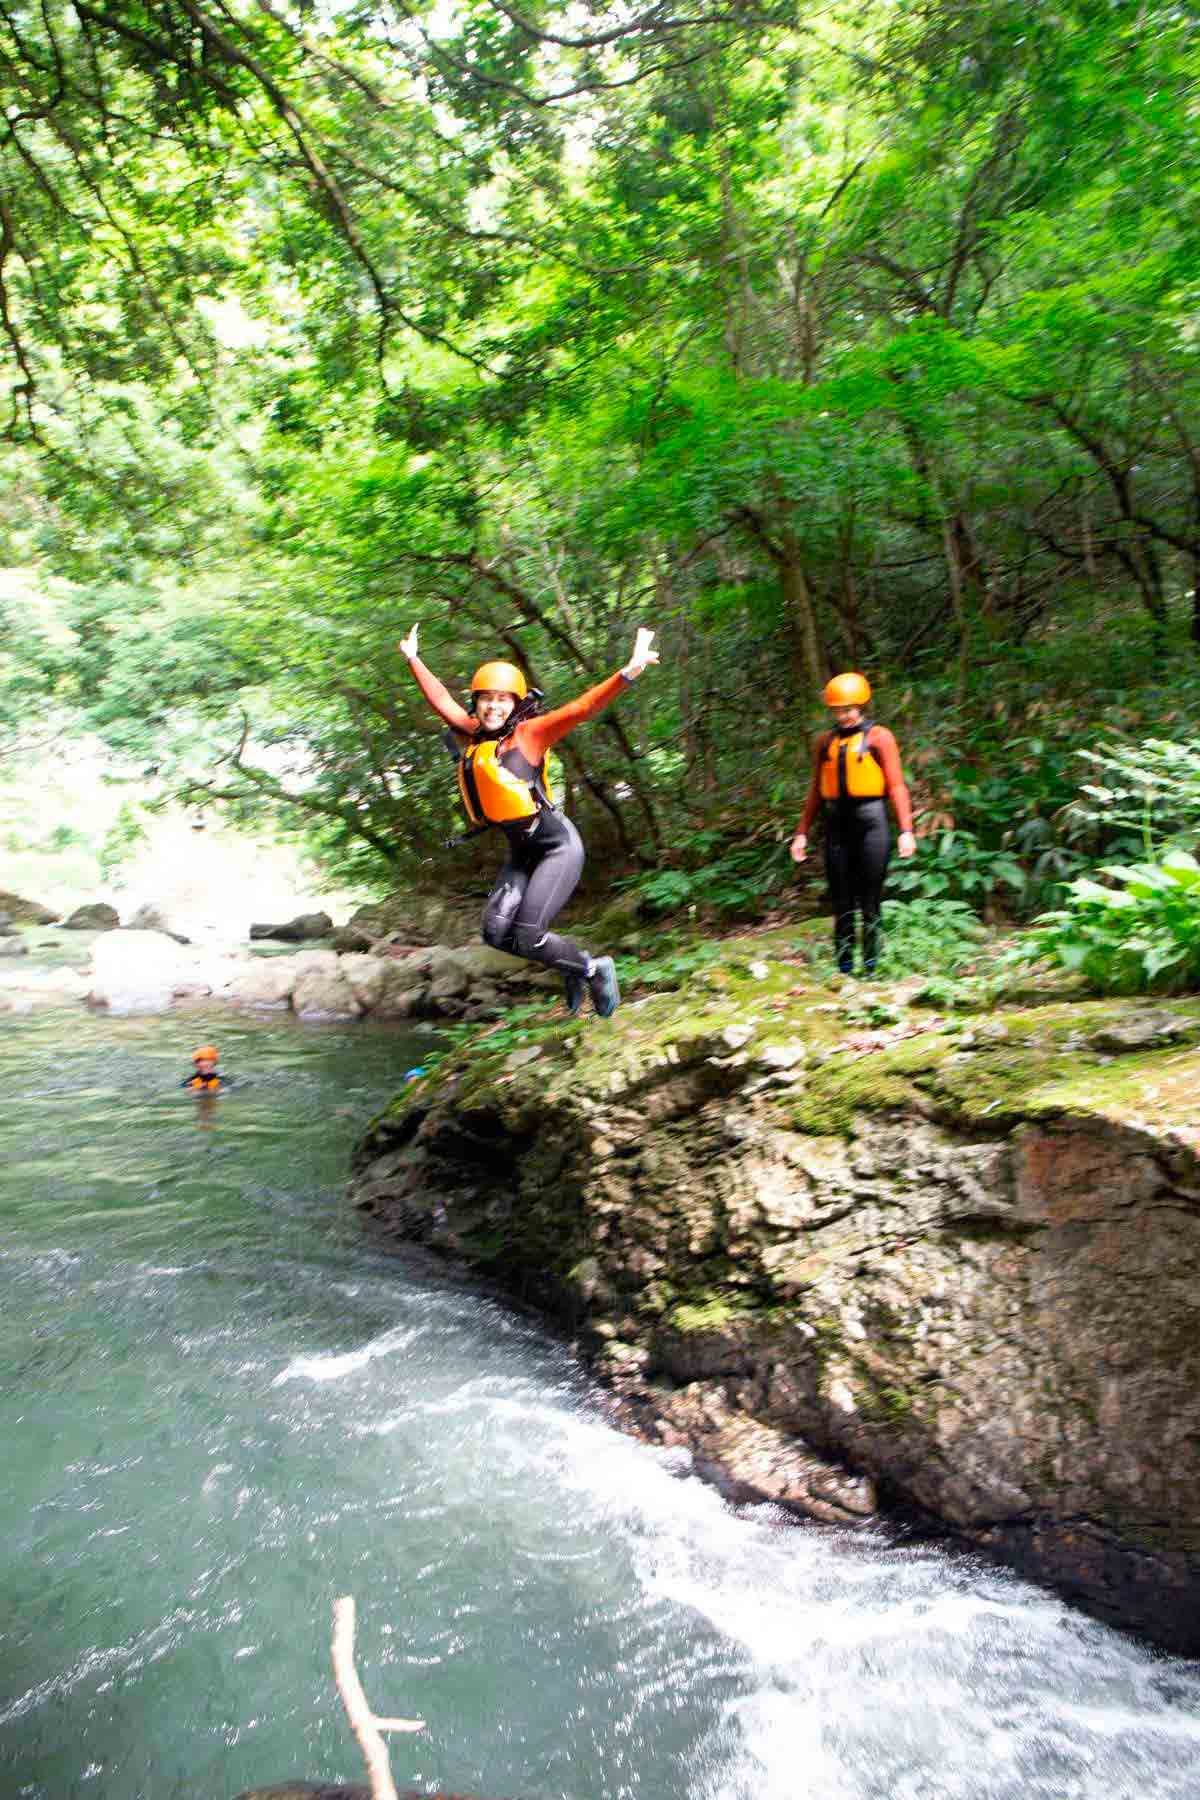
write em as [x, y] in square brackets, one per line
[400, 980]
[300, 930]
[322, 993]
[366, 975]
[448, 982]
[349, 937]
[94, 917]
[268, 981]
[479, 962]
[138, 971]
[27, 912]
[1142, 1031]
[13, 946]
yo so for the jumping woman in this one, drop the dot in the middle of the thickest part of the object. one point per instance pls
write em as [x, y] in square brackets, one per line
[857, 763]
[503, 741]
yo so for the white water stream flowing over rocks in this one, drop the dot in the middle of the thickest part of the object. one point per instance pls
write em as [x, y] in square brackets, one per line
[222, 1406]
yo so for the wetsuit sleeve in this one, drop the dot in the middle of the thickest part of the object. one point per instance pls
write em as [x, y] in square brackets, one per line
[814, 791]
[893, 776]
[535, 736]
[440, 698]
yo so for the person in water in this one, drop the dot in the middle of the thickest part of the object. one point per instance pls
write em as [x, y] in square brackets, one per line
[504, 740]
[206, 1078]
[856, 764]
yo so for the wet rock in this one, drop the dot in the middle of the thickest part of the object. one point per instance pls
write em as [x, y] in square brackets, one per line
[367, 976]
[137, 971]
[321, 991]
[350, 938]
[403, 986]
[7, 928]
[267, 981]
[13, 946]
[419, 919]
[96, 916]
[969, 1279]
[300, 930]
[27, 912]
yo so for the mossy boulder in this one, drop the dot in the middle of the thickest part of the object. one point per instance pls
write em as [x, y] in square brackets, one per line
[953, 1260]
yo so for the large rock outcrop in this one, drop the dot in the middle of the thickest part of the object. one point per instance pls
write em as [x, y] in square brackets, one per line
[27, 912]
[958, 1264]
[97, 915]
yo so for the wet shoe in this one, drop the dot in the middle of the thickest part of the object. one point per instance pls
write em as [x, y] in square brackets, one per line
[575, 987]
[604, 987]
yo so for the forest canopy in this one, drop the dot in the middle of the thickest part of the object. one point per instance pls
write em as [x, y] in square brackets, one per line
[811, 335]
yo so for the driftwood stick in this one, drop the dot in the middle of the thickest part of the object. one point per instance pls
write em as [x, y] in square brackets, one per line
[366, 1727]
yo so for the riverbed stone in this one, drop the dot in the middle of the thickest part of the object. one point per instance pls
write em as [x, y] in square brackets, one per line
[27, 912]
[96, 916]
[299, 930]
[13, 946]
[367, 976]
[137, 971]
[324, 993]
[968, 1279]
[265, 981]
[402, 986]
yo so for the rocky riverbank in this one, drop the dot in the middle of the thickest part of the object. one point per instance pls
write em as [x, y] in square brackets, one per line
[398, 972]
[941, 1265]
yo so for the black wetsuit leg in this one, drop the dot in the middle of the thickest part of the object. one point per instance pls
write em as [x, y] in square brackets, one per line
[858, 847]
[541, 874]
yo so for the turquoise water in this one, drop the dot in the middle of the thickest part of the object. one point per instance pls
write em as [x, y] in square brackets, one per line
[222, 1407]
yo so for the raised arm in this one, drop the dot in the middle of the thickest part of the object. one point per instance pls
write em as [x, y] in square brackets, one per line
[438, 695]
[538, 735]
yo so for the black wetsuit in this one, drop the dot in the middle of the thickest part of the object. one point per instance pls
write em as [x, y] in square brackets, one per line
[858, 847]
[539, 877]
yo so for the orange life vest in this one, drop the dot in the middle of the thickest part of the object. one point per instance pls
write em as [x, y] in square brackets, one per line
[204, 1081]
[850, 768]
[500, 786]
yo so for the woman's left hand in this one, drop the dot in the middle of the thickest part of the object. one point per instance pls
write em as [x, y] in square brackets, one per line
[642, 656]
[908, 844]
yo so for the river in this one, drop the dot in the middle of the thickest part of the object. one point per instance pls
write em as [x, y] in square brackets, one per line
[223, 1406]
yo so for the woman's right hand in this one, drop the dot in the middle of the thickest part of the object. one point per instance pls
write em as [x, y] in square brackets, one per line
[799, 847]
[408, 645]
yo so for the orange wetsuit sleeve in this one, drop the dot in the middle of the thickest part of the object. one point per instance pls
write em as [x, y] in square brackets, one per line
[814, 789]
[440, 698]
[882, 740]
[535, 736]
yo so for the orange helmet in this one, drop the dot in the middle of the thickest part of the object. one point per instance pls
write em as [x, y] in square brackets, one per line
[206, 1053]
[501, 677]
[847, 690]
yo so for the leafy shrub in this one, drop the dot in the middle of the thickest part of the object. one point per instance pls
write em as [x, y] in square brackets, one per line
[1151, 790]
[954, 865]
[1141, 934]
[735, 882]
[929, 936]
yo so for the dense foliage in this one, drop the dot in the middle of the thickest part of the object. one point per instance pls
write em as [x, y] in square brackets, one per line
[812, 336]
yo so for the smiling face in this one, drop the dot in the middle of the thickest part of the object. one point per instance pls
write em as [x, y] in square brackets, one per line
[847, 716]
[492, 707]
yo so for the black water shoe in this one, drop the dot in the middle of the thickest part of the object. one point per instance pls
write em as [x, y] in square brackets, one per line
[576, 987]
[604, 987]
